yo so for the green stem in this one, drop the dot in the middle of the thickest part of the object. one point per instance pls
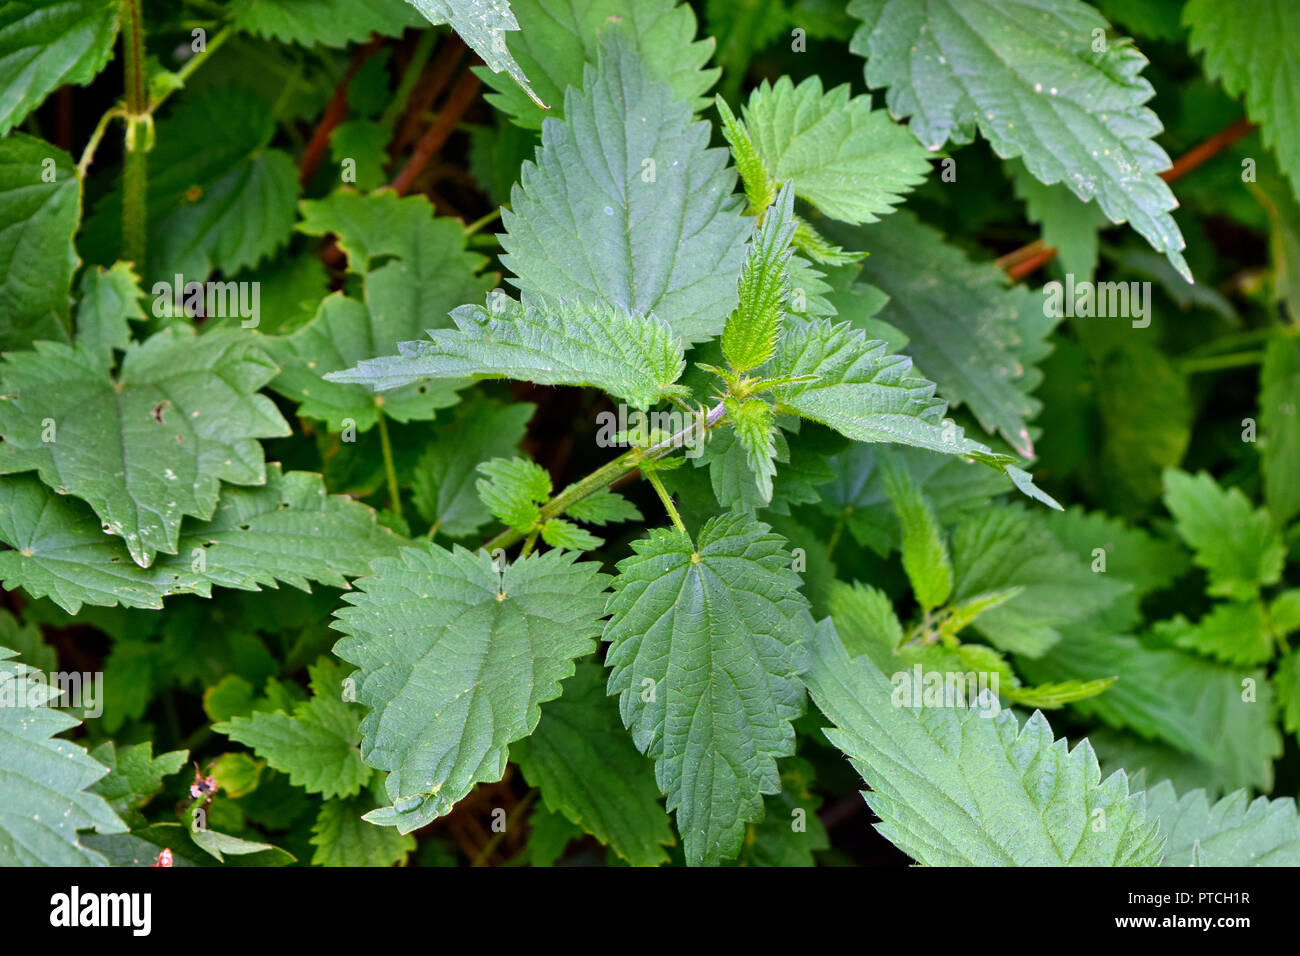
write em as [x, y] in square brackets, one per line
[529, 542]
[658, 484]
[612, 471]
[1215, 362]
[135, 168]
[482, 221]
[197, 60]
[838, 531]
[88, 154]
[433, 529]
[410, 76]
[394, 492]
[1234, 339]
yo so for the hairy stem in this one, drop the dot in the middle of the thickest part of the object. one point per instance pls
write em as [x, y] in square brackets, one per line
[135, 169]
[529, 542]
[458, 100]
[612, 471]
[184, 73]
[658, 484]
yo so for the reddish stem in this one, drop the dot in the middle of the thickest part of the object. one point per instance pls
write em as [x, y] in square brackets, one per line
[1199, 153]
[458, 100]
[440, 72]
[334, 114]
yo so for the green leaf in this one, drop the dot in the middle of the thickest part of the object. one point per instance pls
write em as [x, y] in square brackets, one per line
[415, 264]
[864, 618]
[626, 204]
[286, 530]
[1284, 613]
[513, 489]
[1287, 681]
[760, 190]
[27, 641]
[291, 288]
[755, 428]
[559, 533]
[483, 25]
[750, 335]
[1221, 715]
[372, 228]
[1237, 545]
[1279, 419]
[857, 492]
[342, 838]
[925, 555]
[556, 37]
[317, 745]
[431, 274]
[587, 769]
[867, 624]
[110, 301]
[1005, 546]
[1153, 19]
[1054, 696]
[44, 46]
[456, 660]
[217, 845]
[850, 161]
[135, 775]
[38, 217]
[365, 143]
[871, 396]
[238, 774]
[549, 835]
[705, 640]
[796, 475]
[978, 338]
[1134, 556]
[442, 485]
[1249, 48]
[141, 848]
[946, 782]
[1283, 211]
[44, 781]
[1236, 831]
[604, 507]
[334, 23]
[344, 333]
[1236, 632]
[150, 446]
[1029, 74]
[1120, 750]
[1137, 448]
[552, 342]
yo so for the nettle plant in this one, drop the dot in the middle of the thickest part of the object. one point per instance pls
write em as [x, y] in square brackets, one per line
[261, 345]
